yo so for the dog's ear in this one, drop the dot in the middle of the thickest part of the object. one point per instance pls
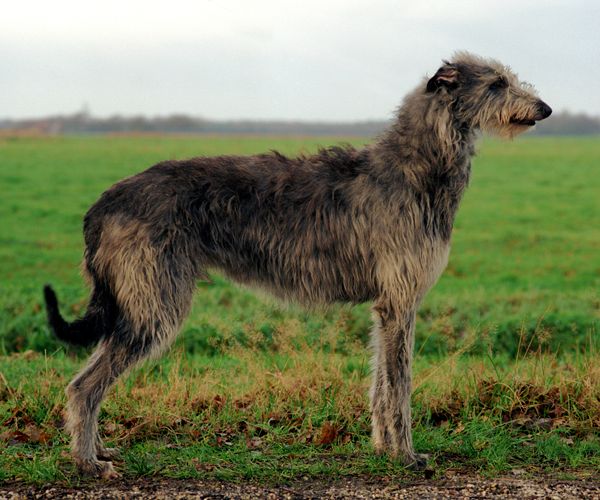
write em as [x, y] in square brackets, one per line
[446, 76]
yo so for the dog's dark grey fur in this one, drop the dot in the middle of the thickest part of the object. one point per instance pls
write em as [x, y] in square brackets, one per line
[343, 225]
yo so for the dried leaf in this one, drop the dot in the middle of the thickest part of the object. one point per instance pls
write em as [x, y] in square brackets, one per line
[223, 441]
[14, 437]
[111, 428]
[218, 402]
[459, 428]
[254, 443]
[36, 435]
[273, 419]
[328, 434]
[18, 417]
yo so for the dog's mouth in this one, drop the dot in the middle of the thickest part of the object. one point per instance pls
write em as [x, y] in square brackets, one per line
[522, 121]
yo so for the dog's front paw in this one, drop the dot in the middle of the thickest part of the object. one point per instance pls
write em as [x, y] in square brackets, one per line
[98, 469]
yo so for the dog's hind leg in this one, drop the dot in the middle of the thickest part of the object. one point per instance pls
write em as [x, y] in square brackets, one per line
[152, 281]
[129, 344]
[113, 356]
[85, 393]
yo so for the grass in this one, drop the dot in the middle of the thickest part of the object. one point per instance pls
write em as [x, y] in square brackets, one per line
[247, 418]
[507, 373]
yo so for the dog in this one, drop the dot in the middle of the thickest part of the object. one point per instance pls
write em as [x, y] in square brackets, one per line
[343, 225]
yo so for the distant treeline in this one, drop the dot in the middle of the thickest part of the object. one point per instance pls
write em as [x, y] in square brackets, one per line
[563, 123]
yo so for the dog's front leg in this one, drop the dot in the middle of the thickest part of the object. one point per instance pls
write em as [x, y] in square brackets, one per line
[393, 341]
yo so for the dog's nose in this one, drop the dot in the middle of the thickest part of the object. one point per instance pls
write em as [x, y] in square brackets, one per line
[544, 110]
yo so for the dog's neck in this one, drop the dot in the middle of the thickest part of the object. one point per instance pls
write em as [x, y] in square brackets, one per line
[429, 152]
[426, 139]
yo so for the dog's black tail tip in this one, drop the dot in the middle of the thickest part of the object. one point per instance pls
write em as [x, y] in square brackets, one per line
[97, 321]
[55, 320]
[50, 297]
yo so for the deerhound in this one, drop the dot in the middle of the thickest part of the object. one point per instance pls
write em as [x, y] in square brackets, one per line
[343, 225]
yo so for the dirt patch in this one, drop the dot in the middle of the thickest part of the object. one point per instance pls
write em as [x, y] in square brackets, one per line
[455, 487]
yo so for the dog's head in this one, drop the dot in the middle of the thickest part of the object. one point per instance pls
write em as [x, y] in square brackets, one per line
[484, 94]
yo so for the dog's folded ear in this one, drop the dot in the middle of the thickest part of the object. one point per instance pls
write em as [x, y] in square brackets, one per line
[446, 76]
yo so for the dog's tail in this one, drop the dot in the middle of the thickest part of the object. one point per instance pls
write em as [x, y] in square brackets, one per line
[98, 321]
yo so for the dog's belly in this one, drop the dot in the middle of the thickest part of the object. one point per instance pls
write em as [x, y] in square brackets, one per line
[307, 279]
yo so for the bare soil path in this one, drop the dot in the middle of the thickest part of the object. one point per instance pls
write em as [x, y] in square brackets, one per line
[453, 487]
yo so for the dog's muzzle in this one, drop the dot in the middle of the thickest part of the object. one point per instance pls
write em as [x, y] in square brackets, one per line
[543, 111]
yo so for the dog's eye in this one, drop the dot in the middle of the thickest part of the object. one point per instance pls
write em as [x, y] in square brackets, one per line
[499, 83]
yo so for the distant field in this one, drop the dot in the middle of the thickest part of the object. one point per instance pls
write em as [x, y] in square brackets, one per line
[508, 363]
[526, 247]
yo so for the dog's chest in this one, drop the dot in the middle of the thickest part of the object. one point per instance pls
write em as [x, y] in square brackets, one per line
[434, 258]
[414, 269]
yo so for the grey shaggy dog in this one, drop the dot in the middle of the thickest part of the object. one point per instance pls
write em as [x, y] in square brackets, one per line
[343, 225]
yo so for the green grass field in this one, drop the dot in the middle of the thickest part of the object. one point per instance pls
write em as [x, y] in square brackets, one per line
[507, 375]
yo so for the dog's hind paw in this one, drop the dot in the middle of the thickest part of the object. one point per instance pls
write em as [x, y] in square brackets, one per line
[418, 461]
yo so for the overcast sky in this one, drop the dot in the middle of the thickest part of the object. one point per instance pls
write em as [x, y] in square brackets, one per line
[280, 59]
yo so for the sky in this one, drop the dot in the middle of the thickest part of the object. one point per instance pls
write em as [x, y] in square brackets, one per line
[327, 60]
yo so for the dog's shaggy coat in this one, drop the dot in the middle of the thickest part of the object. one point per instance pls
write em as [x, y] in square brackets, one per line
[343, 225]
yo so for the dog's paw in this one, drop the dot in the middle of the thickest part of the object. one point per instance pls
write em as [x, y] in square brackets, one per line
[108, 471]
[418, 461]
[97, 468]
[414, 461]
